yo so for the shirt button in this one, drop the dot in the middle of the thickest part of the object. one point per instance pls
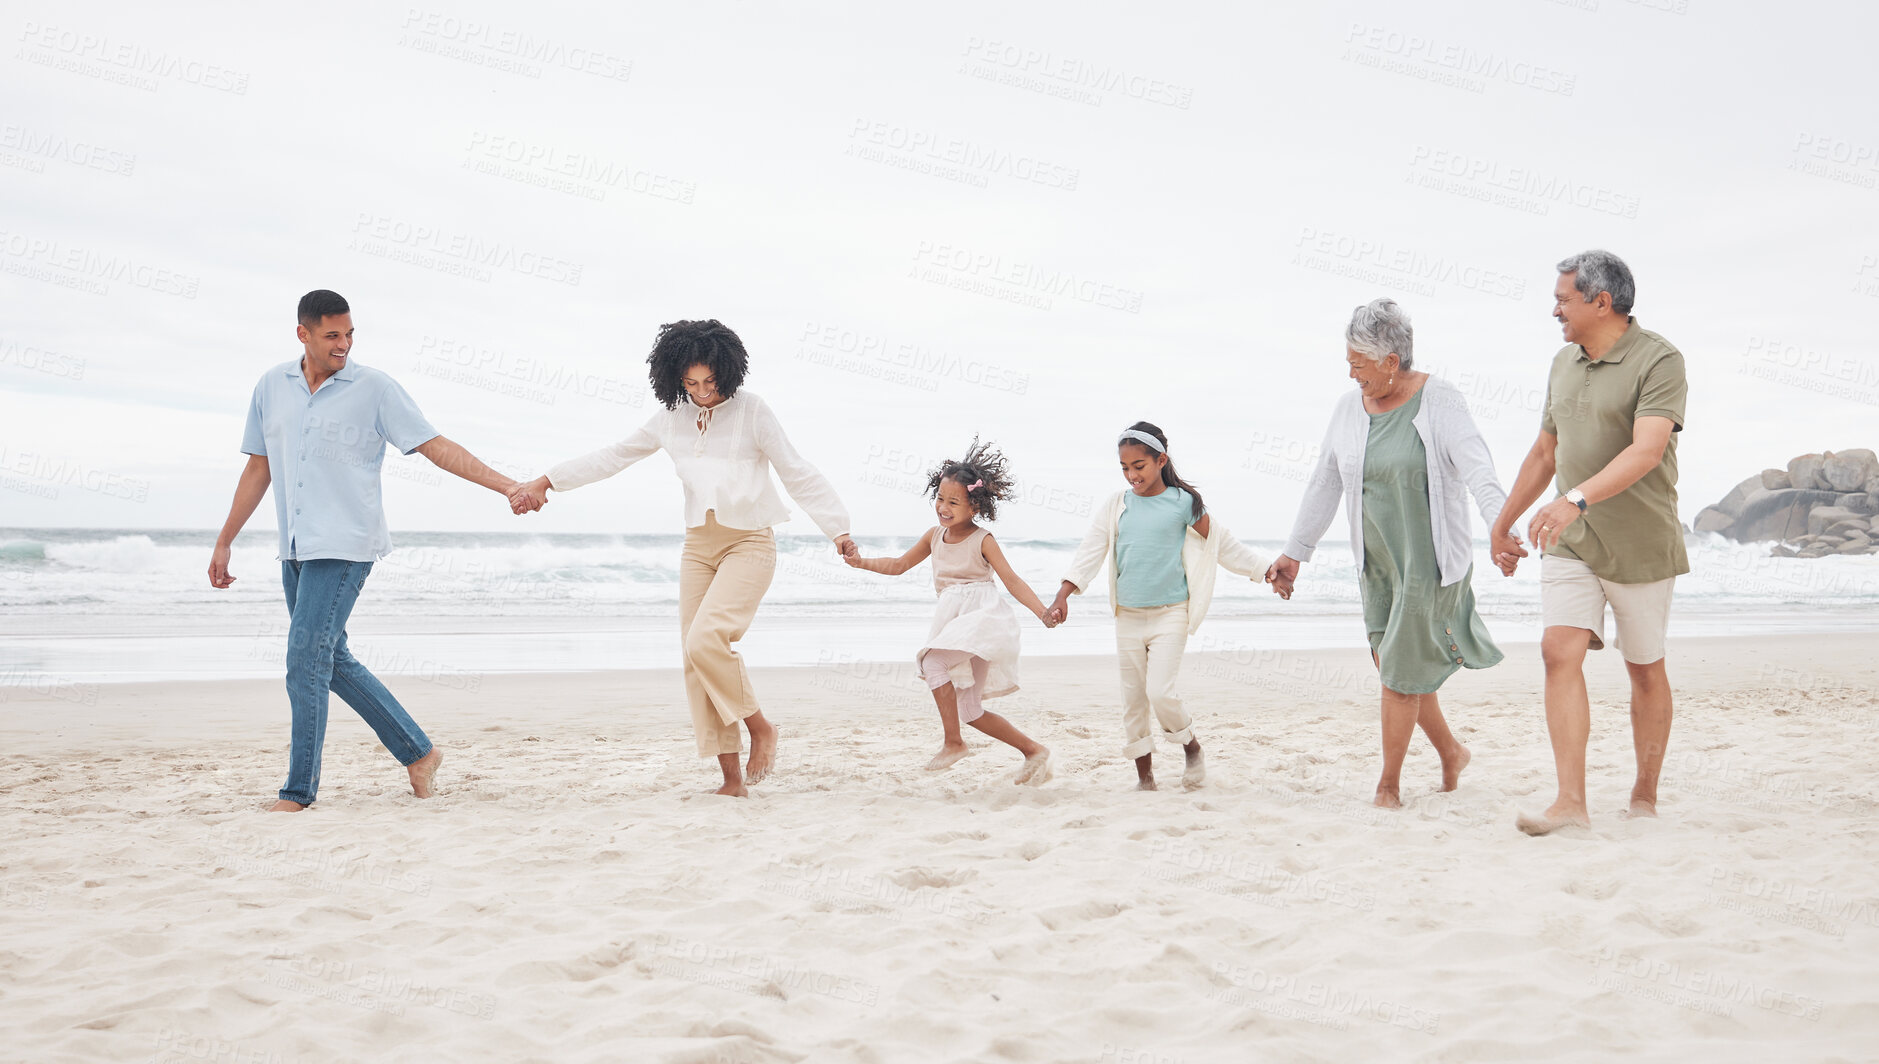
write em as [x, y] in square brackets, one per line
[1448, 631]
[1458, 661]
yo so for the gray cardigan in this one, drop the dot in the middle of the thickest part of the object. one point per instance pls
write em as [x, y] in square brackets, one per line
[1459, 464]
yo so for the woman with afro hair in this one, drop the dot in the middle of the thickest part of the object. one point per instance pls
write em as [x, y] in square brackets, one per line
[723, 443]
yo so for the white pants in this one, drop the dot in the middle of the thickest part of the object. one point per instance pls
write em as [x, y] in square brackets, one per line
[1149, 643]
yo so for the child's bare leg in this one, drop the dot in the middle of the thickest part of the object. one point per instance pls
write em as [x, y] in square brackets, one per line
[953, 747]
[1145, 772]
[1036, 755]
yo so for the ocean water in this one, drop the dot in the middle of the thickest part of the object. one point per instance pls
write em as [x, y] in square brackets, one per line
[88, 606]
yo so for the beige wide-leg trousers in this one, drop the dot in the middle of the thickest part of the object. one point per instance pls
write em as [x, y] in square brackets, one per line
[723, 574]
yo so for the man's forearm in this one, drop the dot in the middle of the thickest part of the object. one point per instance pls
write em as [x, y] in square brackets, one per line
[451, 457]
[249, 491]
[1535, 474]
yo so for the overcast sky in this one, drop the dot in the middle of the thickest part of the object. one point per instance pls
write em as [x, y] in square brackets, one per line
[1035, 223]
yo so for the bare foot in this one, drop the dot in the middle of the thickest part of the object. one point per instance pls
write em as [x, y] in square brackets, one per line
[1146, 783]
[762, 751]
[1386, 798]
[948, 756]
[1556, 816]
[1036, 770]
[423, 771]
[1642, 807]
[1196, 772]
[285, 806]
[733, 790]
[1452, 764]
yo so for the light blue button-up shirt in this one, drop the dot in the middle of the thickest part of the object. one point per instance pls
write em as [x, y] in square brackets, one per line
[324, 450]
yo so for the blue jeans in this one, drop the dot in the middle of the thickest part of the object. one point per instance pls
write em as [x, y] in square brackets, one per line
[320, 595]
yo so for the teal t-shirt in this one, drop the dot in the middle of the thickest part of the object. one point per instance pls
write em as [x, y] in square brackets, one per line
[1149, 535]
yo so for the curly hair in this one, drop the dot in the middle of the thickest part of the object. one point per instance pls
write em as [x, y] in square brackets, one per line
[983, 472]
[684, 344]
[1168, 475]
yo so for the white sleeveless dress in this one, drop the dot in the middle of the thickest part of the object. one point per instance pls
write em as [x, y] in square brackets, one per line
[973, 615]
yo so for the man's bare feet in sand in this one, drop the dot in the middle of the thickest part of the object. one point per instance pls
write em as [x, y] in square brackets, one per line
[762, 749]
[1036, 770]
[1558, 815]
[1387, 798]
[1453, 762]
[424, 771]
[1196, 772]
[1642, 808]
[733, 790]
[285, 806]
[950, 754]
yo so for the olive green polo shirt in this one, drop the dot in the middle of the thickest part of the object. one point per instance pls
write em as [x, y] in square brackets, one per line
[1591, 404]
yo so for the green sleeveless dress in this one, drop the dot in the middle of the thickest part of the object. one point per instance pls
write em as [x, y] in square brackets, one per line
[1421, 631]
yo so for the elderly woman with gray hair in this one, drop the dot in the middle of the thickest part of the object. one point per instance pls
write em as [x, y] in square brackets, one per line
[1403, 454]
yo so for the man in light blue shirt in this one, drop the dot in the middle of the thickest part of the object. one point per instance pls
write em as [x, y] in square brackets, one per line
[317, 430]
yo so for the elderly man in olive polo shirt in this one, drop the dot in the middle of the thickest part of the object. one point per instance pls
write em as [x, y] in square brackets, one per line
[1608, 437]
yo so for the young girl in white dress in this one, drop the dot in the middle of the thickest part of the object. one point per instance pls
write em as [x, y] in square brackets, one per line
[972, 652]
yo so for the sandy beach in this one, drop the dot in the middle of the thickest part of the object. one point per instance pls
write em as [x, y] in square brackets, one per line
[574, 894]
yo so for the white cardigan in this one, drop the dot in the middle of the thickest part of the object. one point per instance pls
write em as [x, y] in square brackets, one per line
[725, 468]
[1459, 463]
[1198, 558]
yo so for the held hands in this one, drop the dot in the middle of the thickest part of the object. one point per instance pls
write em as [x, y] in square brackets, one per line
[1552, 520]
[848, 549]
[1059, 610]
[529, 497]
[1504, 543]
[1282, 575]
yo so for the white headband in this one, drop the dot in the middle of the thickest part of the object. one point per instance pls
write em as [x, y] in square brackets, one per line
[1143, 438]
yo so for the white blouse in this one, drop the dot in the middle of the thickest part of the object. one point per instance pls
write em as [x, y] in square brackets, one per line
[725, 465]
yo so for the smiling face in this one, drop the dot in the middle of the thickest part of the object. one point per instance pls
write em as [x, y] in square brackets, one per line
[702, 385]
[1373, 376]
[327, 344]
[1141, 467]
[1576, 317]
[952, 505]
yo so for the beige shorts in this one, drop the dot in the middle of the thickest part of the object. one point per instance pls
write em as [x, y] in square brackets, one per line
[1571, 594]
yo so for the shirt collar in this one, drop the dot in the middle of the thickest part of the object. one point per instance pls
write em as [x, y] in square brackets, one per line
[347, 372]
[1619, 349]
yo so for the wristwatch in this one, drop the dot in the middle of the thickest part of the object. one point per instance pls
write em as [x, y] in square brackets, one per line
[1575, 497]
